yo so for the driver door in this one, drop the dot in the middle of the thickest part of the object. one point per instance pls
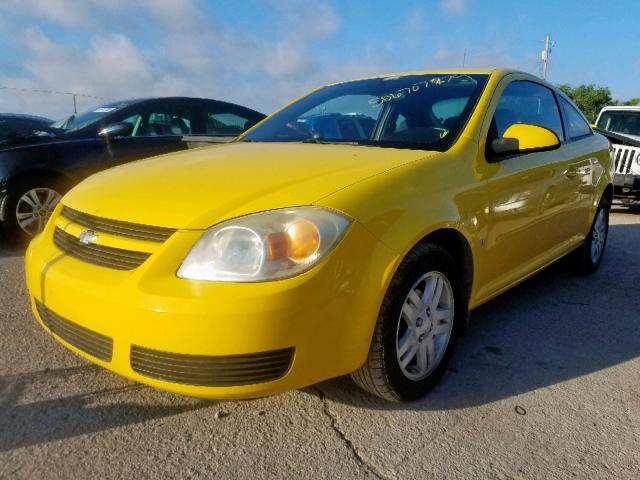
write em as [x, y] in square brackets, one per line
[157, 128]
[525, 190]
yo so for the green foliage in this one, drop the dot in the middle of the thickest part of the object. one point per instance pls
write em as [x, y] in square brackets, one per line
[631, 101]
[589, 98]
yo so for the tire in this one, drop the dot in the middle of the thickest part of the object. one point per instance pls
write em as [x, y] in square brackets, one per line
[36, 190]
[583, 259]
[383, 374]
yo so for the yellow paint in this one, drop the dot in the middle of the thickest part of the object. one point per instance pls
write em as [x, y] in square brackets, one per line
[517, 215]
[532, 137]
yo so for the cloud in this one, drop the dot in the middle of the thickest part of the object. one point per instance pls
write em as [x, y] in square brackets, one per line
[416, 23]
[68, 13]
[455, 7]
[192, 53]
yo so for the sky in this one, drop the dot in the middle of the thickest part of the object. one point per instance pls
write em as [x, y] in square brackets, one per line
[265, 53]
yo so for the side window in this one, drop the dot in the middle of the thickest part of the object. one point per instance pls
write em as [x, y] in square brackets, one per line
[165, 123]
[135, 120]
[448, 111]
[575, 123]
[226, 124]
[526, 102]
[400, 124]
[159, 118]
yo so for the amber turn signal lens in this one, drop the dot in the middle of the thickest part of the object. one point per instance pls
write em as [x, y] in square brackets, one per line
[303, 240]
[277, 246]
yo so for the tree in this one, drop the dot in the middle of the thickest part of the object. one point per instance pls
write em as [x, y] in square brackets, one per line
[589, 98]
[630, 102]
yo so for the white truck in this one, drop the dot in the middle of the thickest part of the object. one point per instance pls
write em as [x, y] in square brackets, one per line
[621, 125]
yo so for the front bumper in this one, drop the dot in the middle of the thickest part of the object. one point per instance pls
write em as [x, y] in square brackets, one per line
[324, 317]
[626, 185]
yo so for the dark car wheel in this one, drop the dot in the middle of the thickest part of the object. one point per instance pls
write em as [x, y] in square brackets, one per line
[417, 328]
[587, 258]
[28, 206]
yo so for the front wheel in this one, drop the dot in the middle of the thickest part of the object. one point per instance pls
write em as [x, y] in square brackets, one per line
[28, 206]
[417, 327]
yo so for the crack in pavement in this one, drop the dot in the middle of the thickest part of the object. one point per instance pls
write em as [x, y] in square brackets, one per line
[369, 468]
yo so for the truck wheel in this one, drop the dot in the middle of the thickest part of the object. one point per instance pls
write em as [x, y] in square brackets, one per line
[417, 327]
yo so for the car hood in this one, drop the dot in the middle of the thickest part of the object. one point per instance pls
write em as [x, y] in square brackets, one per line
[625, 138]
[201, 187]
[21, 141]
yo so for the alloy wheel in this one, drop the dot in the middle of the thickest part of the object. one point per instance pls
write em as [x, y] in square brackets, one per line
[34, 209]
[598, 236]
[425, 326]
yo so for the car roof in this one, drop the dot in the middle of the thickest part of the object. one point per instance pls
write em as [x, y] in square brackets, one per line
[134, 101]
[462, 71]
[633, 108]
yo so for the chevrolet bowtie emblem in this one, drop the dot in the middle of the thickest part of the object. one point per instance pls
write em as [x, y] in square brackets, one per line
[88, 237]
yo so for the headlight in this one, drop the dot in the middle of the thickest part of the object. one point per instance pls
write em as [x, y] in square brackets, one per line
[264, 246]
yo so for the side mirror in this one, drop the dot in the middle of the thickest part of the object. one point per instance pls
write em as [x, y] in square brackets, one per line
[521, 138]
[120, 129]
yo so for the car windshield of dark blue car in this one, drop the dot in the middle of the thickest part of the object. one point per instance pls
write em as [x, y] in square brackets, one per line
[408, 111]
[81, 120]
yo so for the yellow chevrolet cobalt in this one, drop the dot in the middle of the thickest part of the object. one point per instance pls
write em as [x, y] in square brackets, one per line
[351, 232]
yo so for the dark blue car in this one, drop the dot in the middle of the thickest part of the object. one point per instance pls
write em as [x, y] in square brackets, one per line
[38, 169]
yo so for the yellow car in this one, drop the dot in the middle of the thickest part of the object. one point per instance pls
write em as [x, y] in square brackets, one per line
[351, 232]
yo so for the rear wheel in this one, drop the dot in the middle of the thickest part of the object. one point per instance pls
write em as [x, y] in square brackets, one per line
[417, 327]
[28, 206]
[587, 258]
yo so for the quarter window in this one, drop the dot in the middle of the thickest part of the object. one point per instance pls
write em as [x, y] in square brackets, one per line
[226, 124]
[529, 103]
[575, 123]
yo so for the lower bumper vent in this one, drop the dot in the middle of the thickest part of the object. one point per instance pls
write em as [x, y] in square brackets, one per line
[218, 371]
[88, 341]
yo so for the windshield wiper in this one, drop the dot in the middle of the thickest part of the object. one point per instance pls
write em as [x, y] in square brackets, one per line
[329, 142]
[399, 144]
[312, 140]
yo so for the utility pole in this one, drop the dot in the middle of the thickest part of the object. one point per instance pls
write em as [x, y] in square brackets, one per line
[464, 57]
[75, 107]
[548, 44]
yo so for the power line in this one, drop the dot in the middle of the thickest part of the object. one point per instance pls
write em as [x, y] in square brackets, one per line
[52, 92]
[33, 90]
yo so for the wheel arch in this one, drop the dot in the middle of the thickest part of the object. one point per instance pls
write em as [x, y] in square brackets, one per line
[457, 245]
[52, 174]
[608, 193]
[454, 242]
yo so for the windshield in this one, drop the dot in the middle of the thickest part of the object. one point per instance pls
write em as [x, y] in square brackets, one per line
[620, 121]
[414, 111]
[81, 120]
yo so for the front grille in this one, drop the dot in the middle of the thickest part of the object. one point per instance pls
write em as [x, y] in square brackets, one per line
[210, 371]
[623, 158]
[115, 227]
[95, 344]
[109, 257]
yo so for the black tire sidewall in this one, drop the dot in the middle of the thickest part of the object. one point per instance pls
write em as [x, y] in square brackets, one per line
[434, 260]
